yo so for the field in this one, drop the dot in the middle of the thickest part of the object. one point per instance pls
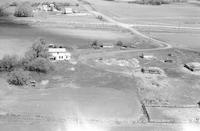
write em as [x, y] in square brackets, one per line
[77, 38]
[181, 40]
[144, 87]
[177, 37]
[85, 94]
[171, 14]
[177, 24]
[170, 88]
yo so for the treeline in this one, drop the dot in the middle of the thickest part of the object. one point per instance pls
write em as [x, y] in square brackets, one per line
[156, 2]
[23, 9]
[35, 60]
[3, 10]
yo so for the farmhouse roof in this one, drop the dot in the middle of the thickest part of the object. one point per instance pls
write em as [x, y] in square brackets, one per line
[60, 50]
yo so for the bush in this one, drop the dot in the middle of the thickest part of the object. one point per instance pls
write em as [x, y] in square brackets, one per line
[95, 44]
[18, 77]
[8, 63]
[119, 43]
[39, 65]
[36, 4]
[24, 10]
[100, 17]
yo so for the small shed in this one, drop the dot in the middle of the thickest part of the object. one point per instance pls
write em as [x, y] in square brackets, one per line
[193, 66]
[107, 45]
[168, 61]
[148, 57]
[151, 70]
[68, 11]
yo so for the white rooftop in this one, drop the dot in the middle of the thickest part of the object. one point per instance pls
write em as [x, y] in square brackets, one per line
[60, 50]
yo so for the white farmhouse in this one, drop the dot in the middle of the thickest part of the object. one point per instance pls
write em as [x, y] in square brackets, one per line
[45, 8]
[59, 54]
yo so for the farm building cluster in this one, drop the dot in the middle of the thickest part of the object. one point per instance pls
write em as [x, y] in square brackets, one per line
[53, 7]
[58, 53]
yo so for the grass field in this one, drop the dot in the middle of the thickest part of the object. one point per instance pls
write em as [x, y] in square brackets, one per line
[93, 95]
[170, 89]
[111, 95]
[181, 40]
[143, 127]
[171, 14]
[20, 37]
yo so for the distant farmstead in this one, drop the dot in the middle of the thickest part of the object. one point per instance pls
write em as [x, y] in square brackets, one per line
[46, 7]
[59, 54]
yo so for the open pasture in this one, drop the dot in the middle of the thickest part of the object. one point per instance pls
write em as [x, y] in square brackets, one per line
[180, 40]
[93, 95]
[170, 14]
[167, 90]
[19, 37]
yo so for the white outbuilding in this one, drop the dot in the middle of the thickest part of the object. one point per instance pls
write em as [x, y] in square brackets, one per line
[59, 54]
[68, 11]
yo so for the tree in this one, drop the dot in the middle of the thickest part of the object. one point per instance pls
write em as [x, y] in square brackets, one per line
[38, 49]
[39, 65]
[3, 11]
[24, 10]
[8, 63]
[18, 77]
[36, 58]
[94, 43]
